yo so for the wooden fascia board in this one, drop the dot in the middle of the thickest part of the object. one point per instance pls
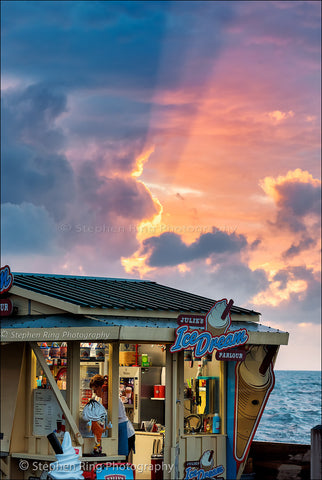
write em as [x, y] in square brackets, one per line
[61, 334]
[268, 338]
[45, 299]
[236, 317]
[123, 334]
[147, 334]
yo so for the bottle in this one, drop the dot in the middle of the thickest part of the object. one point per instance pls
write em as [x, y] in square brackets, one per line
[216, 423]
[105, 392]
[44, 382]
[63, 350]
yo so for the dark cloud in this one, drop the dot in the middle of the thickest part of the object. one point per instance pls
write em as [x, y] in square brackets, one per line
[284, 24]
[34, 169]
[299, 198]
[291, 214]
[226, 277]
[297, 203]
[305, 305]
[124, 197]
[127, 41]
[168, 249]
[239, 281]
[30, 116]
[27, 229]
[296, 249]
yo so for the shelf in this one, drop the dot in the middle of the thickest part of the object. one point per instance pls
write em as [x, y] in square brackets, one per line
[157, 398]
[50, 458]
[92, 359]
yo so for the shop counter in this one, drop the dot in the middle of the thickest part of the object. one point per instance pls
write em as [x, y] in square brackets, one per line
[32, 465]
[144, 450]
[52, 458]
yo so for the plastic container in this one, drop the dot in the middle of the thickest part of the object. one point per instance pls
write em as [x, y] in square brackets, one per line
[216, 423]
[156, 467]
[100, 352]
[63, 350]
[159, 391]
[85, 351]
[44, 349]
[54, 351]
[145, 360]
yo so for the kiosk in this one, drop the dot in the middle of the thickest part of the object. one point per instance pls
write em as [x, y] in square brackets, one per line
[216, 367]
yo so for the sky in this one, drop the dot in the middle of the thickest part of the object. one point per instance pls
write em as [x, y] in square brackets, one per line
[175, 141]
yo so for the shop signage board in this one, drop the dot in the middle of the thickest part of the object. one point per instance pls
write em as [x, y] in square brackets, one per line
[203, 468]
[216, 334]
[46, 412]
[196, 321]
[232, 355]
[6, 279]
[6, 307]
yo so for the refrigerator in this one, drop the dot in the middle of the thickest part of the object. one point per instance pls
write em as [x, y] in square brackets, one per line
[136, 391]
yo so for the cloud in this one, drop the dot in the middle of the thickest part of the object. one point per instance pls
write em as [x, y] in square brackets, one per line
[35, 170]
[27, 229]
[295, 249]
[31, 114]
[297, 197]
[110, 197]
[89, 197]
[302, 304]
[278, 116]
[168, 249]
[127, 42]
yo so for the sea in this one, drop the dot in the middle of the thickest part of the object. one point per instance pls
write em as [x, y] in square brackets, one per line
[293, 408]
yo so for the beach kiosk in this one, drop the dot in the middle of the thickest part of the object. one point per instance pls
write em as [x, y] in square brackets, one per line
[195, 374]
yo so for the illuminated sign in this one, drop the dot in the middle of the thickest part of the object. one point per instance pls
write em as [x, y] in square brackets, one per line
[203, 468]
[6, 279]
[216, 336]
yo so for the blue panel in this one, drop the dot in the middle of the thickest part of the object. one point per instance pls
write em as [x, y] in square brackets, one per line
[231, 385]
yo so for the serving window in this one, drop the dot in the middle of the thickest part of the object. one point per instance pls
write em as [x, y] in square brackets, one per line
[203, 394]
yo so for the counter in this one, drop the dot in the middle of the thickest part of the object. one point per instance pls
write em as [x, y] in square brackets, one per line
[144, 449]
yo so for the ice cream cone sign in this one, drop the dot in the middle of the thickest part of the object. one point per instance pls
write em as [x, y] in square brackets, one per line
[253, 387]
[218, 318]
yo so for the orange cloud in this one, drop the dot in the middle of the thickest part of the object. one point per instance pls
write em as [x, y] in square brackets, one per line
[269, 184]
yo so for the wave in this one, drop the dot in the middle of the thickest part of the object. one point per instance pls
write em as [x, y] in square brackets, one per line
[293, 408]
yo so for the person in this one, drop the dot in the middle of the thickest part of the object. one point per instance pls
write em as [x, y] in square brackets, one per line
[96, 384]
[96, 416]
[126, 432]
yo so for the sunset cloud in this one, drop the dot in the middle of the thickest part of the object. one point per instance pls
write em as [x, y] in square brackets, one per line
[178, 141]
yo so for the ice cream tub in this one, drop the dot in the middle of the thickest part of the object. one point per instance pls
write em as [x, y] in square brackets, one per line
[85, 352]
[44, 349]
[100, 352]
[54, 350]
[159, 391]
[63, 350]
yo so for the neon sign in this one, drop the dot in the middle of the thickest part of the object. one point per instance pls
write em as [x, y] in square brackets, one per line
[216, 337]
[6, 279]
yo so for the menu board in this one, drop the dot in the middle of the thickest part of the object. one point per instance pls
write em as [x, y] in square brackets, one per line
[47, 412]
